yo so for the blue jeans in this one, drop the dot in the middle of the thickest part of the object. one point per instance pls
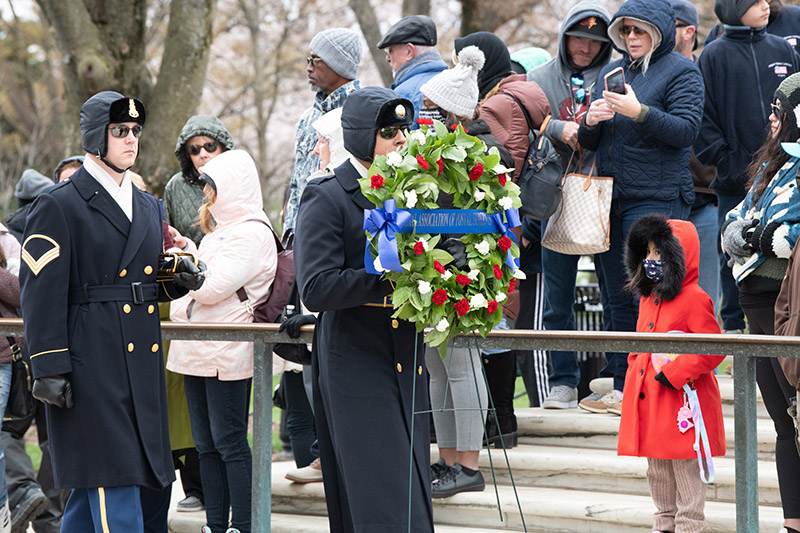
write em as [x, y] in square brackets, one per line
[705, 220]
[731, 313]
[560, 271]
[623, 307]
[5, 388]
[218, 411]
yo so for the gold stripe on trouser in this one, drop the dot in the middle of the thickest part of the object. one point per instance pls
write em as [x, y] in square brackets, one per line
[101, 493]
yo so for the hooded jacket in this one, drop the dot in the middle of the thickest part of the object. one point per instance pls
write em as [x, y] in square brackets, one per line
[787, 316]
[183, 194]
[554, 79]
[413, 75]
[648, 426]
[30, 185]
[649, 159]
[785, 23]
[240, 252]
[741, 71]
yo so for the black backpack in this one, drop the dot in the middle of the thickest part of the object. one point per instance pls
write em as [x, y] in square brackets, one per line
[542, 174]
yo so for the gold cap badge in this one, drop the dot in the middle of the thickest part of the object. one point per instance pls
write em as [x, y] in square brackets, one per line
[132, 112]
[400, 110]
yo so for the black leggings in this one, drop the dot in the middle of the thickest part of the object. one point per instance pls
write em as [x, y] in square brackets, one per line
[776, 391]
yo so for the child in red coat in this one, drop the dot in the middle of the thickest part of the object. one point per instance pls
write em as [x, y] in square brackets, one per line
[662, 258]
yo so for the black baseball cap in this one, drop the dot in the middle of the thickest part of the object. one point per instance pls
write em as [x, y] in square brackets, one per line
[590, 28]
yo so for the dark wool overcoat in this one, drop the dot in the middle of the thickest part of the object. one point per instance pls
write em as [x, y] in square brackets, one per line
[89, 301]
[366, 369]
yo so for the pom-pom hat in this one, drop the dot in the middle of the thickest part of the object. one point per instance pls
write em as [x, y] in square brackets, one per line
[456, 90]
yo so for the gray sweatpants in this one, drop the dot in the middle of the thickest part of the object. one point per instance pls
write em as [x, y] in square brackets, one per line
[458, 398]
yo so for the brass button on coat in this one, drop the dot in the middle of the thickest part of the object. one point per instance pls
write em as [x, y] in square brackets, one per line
[151, 308]
[123, 273]
[395, 323]
[419, 370]
[148, 270]
[126, 308]
[130, 346]
[399, 367]
[154, 348]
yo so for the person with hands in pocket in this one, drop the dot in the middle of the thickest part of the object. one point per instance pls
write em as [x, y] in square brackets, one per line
[643, 140]
[92, 274]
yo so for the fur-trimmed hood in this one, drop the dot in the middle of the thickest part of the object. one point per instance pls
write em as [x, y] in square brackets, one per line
[680, 250]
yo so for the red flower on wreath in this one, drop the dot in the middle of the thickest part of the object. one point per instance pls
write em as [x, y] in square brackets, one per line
[492, 307]
[419, 248]
[439, 297]
[438, 266]
[453, 127]
[476, 172]
[377, 181]
[440, 162]
[504, 243]
[512, 285]
[422, 162]
[503, 178]
[461, 306]
[461, 279]
[425, 121]
[498, 272]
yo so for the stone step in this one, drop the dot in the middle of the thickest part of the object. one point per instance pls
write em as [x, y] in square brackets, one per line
[726, 393]
[582, 429]
[544, 508]
[603, 470]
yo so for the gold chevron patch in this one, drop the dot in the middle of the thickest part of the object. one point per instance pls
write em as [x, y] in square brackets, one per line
[36, 265]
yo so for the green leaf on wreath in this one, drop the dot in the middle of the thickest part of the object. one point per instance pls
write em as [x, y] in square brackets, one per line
[416, 300]
[454, 153]
[405, 312]
[400, 296]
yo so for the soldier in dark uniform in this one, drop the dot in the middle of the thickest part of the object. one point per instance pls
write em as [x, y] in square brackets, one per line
[92, 274]
[364, 366]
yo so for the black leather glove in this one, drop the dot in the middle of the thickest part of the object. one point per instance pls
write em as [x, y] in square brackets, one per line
[457, 249]
[293, 324]
[661, 378]
[187, 274]
[55, 390]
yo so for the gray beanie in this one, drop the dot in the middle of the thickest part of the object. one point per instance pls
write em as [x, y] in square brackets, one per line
[788, 94]
[340, 49]
[31, 184]
[456, 90]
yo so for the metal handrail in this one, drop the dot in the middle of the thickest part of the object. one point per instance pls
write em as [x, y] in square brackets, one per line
[743, 348]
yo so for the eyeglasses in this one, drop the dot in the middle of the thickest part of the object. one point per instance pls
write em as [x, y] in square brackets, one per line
[626, 30]
[776, 110]
[388, 132]
[312, 61]
[210, 147]
[120, 131]
[578, 92]
[682, 25]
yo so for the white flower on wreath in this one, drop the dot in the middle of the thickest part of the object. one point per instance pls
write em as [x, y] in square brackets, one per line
[442, 325]
[500, 168]
[483, 247]
[418, 136]
[500, 297]
[394, 159]
[473, 274]
[479, 195]
[411, 197]
[478, 301]
[378, 266]
[424, 287]
[447, 275]
[506, 202]
[519, 274]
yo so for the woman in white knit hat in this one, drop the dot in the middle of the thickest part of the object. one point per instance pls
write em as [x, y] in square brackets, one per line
[458, 390]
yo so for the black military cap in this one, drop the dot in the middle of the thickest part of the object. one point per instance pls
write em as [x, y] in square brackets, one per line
[416, 29]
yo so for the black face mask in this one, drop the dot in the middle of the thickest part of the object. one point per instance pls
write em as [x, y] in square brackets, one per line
[433, 114]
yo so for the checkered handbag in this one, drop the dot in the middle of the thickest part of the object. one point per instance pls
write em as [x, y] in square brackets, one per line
[580, 227]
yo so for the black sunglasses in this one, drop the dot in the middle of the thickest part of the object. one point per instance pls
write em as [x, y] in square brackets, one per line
[389, 132]
[776, 110]
[210, 147]
[624, 31]
[682, 25]
[120, 131]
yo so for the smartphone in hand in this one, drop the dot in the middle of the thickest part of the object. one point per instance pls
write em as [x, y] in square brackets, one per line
[615, 81]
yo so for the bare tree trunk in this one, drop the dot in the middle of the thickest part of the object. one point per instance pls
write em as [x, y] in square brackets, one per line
[416, 7]
[488, 15]
[253, 14]
[368, 22]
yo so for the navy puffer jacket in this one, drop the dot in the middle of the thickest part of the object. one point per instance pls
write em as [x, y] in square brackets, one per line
[650, 159]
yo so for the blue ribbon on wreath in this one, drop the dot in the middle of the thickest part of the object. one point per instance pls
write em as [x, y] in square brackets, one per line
[385, 222]
[512, 216]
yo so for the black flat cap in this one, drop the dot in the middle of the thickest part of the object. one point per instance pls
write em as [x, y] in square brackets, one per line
[416, 29]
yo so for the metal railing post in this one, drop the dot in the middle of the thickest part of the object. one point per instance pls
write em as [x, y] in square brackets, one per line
[262, 436]
[746, 442]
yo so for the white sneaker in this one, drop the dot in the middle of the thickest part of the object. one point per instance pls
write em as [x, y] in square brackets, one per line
[5, 518]
[561, 397]
[601, 386]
